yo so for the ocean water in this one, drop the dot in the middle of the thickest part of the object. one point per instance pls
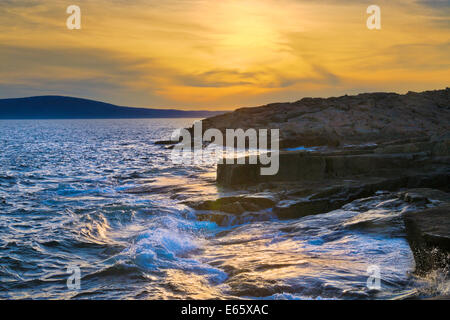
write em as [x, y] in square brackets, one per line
[99, 195]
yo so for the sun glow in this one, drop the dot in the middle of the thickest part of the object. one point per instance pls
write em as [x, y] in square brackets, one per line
[219, 54]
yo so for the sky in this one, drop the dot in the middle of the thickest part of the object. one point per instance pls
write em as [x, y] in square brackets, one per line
[221, 54]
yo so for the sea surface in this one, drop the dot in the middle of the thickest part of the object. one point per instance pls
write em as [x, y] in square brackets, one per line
[100, 196]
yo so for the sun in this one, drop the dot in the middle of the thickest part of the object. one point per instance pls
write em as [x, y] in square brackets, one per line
[245, 34]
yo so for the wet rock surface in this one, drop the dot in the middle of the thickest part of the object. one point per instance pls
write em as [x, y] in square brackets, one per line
[370, 143]
[428, 231]
[312, 183]
[237, 204]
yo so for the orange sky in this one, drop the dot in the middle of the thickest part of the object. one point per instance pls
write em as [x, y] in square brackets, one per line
[221, 54]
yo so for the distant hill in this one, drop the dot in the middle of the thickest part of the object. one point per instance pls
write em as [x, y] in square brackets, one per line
[58, 107]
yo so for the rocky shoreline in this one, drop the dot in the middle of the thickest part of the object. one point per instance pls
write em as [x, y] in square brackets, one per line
[319, 182]
[364, 145]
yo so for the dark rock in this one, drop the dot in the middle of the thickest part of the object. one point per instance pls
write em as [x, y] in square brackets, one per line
[234, 207]
[428, 233]
[261, 200]
[441, 148]
[290, 209]
[166, 142]
[228, 219]
[215, 205]
[265, 186]
[236, 204]
[406, 148]
[300, 166]
[424, 195]
[321, 200]
[249, 206]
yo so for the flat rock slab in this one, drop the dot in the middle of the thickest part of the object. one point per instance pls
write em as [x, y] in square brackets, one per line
[310, 166]
[236, 204]
[432, 224]
[425, 195]
[428, 233]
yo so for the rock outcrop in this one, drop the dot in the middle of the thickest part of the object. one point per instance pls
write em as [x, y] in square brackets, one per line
[428, 233]
[335, 194]
[367, 117]
[370, 143]
[236, 204]
[383, 161]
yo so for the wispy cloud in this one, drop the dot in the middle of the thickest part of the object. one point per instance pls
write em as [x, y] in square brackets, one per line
[437, 4]
[220, 54]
